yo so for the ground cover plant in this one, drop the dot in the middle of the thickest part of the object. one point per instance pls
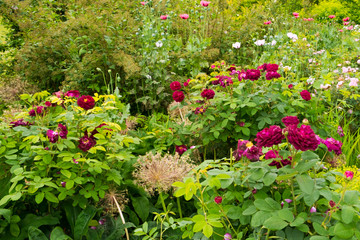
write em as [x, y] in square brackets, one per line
[179, 120]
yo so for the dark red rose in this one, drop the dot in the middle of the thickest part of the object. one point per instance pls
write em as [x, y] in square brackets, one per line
[269, 136]
[305, 95]
[271, 75]
[32, 113]
[272, 67]
[262, 67]
[19, 122]
[85, 143]
[208, 93]
[175, 86]
[62, 131]
[290, 86]
[72, 93]
[178, 96]
[290, 120]
[302, 138]
[40, 110]
[332, 203]
[180, 149]
[232, 68]
[333, 145]
[218, 199]
[253, 153]
[86, 102]
[252, 74]
[48, 104]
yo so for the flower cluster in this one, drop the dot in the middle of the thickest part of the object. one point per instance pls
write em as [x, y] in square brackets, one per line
[222, 81]
[278, 163]
[247, 149]
[178, 95]
[54, 135]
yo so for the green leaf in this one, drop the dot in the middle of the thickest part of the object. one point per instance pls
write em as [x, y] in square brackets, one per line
[6, 213]
[269, 178]
[309, 155]
[51, 197]
[224, 123]
[347, 214]
[274, 223]
[216, 134]
[14, 229]
[286, 214]
[250, 210]
[208, 230]
[306, 184]
[47, 159]
[234, 212]
[298, 221]
[343, 231]
[303, 227]
[39, 197]
[66, 173]
[58, 234]
[319, 229]
[69, 144]
[319, 238]
[36, 234]
[82, 222]
[141, 206]
[259, 218]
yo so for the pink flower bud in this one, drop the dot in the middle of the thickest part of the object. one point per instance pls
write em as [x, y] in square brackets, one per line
[218, 199]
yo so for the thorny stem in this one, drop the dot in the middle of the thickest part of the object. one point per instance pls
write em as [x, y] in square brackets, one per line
[122, 217]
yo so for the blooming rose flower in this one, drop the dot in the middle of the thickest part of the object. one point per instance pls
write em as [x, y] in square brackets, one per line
[86, 142]
[52, 135]
[86, 102]
[48, 104]
[187, 83]
[272, 75]
[208, 93]
[290, 86]
[180, 149]
[175, 85]
[63, 131]
[349, 174]
[72, 93]
[267, 22]
[272, 67]
[305, 95]
[204, 3]
[290, 120]
[332, 16]
[218, 199]
[333, 145]
[295, 14]
[346, 19]
[252, 74]
[302, 138]
[19, 122]
[40, 110]
[241, 75]
[242, 148]
[164, 17]
[227, 236]
[178, 96]
[184, 16]
[253, 153]
[269, 136]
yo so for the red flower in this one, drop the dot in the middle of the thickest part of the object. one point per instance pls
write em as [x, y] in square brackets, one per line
[332, 16]
[19, 122]
[178, 96]
[32, 113]
[302, 138]
[72, 93]
[48, 104]
[269, 136]
[252, 74]
[184, 16]
[290, 86]
[218, 199]
[180, 149]
[332, 203]
[63, 131]
[40, 110]
[208, 93]
[333, 145]
[85, 143]
[305, 95]
[86, 102]
[52, 135]
[270, 75]
[253, 153]
[278, 163]
[346, 19]
[290, 120]
[186, 83]
[349, 174]
[272, 67]
[175, 86]
[164, 17]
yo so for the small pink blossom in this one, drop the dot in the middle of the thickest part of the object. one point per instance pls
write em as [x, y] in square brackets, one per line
[204, 3]
[143, 3]
[332, 16]
[349, 174]
[164, 17]
[295, 14]
[184, 16]
[350, 27]
[346, 23]
[346, 19]
[312, 210]
[267, 22]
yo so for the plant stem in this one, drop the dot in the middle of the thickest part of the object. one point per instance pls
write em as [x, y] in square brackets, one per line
[179, 207]
[122, 217]
[163, 203]
[293, 195]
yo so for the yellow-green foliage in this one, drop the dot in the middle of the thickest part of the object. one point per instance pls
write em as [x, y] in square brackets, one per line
[354, 184]
[331, 7]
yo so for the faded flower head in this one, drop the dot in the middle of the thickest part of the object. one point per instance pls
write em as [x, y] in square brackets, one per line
[158, 173]
[112, 197]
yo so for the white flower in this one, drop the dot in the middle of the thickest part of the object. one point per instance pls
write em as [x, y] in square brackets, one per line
[304, 39]
[287, 68]
[293, 36]
[358, 61]
[326, 86]
[310, 80]
[339, 84]
[311, 60]
[260, 42]
[148, 77]
[159, 44]
[346, 69]
[347, 62]
[356, 40]
[236, 45]
[273, 43]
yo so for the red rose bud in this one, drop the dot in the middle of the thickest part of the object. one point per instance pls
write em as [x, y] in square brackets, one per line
[349, 174]
[218, 199]
[332, 203]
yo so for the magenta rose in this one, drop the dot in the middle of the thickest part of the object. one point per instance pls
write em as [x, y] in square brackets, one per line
[218, 199]
[252, 74]
[86, 102]
[305, 95]
[290, 120]
[253, 153]
[278, 163]
[333, 145]
[241, 75]
[272, 67]
[19, 122]
[269, 136]
[302, 138]
[270, 75]
[52, 135]
[175, 86]
[242, 148]
[62, 131]
[72, 93]
[178, 96]
[208, 93]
